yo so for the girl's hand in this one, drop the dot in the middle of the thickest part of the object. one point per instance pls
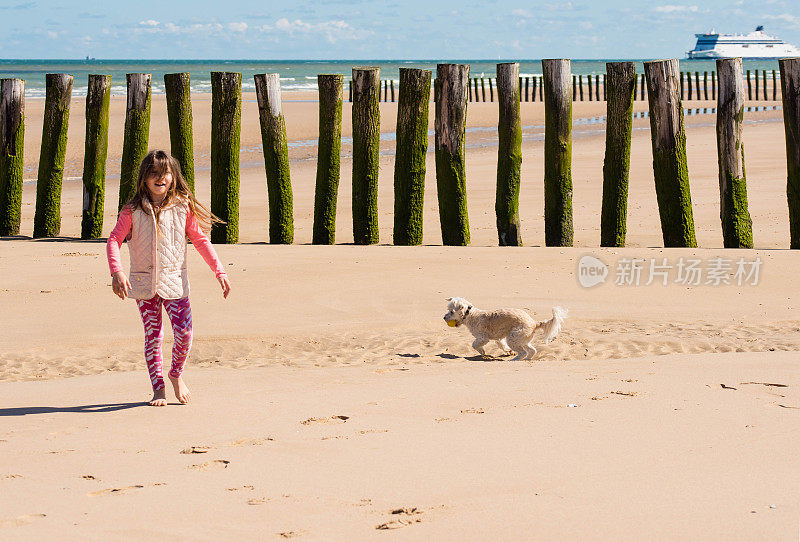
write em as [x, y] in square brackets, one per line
[225, 284]
[120, 284]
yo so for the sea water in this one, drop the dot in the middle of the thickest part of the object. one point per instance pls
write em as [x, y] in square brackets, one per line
[295, 74]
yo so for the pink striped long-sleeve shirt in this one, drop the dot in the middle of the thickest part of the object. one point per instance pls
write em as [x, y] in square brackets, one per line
[198, 238]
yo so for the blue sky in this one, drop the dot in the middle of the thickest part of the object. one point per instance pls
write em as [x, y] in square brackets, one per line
[355, 29]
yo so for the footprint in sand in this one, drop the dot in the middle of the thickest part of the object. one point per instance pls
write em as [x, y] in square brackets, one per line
[257, 501]
[405, 517]
[473, 411]
[291, 534]
[114, 491]
[21, 520]
[332, 419]
[217, 464]
[196, 450]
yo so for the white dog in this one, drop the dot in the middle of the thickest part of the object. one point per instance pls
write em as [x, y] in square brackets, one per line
[509, 327]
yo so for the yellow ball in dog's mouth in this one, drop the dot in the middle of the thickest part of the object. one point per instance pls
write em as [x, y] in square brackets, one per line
[452, 323]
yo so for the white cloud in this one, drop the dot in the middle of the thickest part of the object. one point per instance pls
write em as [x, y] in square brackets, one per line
[149, 22]
[522, 13]
[238, 27]
[792, 20]
[673, 9]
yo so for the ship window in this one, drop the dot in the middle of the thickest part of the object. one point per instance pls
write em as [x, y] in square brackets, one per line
[745, 45]
[769, 45]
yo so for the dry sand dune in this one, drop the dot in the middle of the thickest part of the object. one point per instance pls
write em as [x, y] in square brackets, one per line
[332, 403]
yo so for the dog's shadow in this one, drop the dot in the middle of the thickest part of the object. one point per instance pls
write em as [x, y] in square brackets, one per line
[485, 358]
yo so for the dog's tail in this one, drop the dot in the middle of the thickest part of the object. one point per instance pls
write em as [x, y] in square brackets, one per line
[552, 327]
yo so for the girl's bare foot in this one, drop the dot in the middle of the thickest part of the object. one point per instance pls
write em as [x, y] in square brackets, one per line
[181, 390]
[159, 398]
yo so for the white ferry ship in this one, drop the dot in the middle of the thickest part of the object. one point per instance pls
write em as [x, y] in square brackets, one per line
[756, 44]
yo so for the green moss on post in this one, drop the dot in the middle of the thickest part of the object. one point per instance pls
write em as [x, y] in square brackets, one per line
[12, 135]
[670, 169]
[621, 81]
[412, 147]
[137, 134]
[737, 227]
[790, 93]
[450, 128]
[179, 112]
[558, 229]
[226, 127]
[366, 147]
[329, 150]
[276, 158]
[98, 97]
[509, 156]
[47, 219]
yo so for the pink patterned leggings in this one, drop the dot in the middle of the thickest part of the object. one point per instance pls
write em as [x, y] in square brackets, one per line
[180, 314]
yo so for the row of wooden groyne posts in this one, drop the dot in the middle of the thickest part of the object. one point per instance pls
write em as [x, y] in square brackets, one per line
[451, 89]
[477, 91]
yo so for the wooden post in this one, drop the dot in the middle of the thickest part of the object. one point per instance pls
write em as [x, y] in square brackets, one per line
[764, 73]
[276, 158]
[558, 229]
[737, 230]
[749, 87]
[477, 98]
[635, 85]
[483, 90]
[580, 86]
[328, 158]
[491, 91]
[533, 89]
[450, 128]
[574, 88]
[597, 88]
[705, 85]
[605, 78]
[520, 88]
[541, 90]
[469, 90]
[774, 87]
[98, 98]
[790, 93]
[136, 136]
[366, 147]
[697, 84]
[179, 112]
[669, 154]
[644, 87]
[509, 156]
[682, 93]
[226, 127]
[527, 81]
[621, 78]
[350, 94]
[757, 85]
[391, 88]
[12, 135]
[589, 82]
[411, 149]
[689, 85]
[58, 92]
[713, 85]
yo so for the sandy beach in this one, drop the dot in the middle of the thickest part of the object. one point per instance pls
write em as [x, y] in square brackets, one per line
[332, 403]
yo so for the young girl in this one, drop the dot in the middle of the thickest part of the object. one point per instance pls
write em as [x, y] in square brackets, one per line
[156, 222]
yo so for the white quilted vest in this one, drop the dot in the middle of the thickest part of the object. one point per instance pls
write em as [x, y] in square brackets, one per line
[158, 253]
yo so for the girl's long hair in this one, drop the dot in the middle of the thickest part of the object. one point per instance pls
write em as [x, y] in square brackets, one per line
[158, 163]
